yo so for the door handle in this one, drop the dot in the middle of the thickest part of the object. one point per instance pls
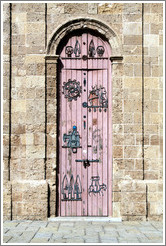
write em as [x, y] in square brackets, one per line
[86, 162]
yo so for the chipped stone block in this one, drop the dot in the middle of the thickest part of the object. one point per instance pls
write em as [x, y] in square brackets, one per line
[110, 8]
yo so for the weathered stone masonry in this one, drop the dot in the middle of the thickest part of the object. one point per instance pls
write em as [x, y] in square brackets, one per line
[31, 33]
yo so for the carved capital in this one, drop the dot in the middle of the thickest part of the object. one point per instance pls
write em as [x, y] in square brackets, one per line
[51, 59]
[116, 59]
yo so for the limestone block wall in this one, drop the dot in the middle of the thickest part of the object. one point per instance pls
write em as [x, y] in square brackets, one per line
[153, 103]
[30, 101]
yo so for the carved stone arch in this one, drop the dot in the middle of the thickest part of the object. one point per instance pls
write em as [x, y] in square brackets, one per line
[85, 23]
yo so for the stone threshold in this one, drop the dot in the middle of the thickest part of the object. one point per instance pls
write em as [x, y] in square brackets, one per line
[95, 219]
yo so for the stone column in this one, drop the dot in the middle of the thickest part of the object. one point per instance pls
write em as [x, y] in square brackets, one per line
[6, 112]
[117, 127]
[51, 130]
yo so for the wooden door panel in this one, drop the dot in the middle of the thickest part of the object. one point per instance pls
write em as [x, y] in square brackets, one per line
[84, 121]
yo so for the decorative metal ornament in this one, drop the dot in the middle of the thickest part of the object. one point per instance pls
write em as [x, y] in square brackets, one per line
[100, 50]
[97, 99]
[77, 49]
[98, 95]
[71, 191]
[84, 58]
[92, 51]
[69, 51]
[72, 139]
[95, 187]
[78, 188]
[71, 89]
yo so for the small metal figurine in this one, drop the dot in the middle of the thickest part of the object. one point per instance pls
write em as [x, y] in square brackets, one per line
[77, 49]
[73, 140]
[92, 51]
[95, 187]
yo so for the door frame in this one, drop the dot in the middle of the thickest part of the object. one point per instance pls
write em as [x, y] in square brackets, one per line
[51, 74]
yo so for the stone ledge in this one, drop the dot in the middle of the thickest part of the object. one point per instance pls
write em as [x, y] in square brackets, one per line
[75, 219]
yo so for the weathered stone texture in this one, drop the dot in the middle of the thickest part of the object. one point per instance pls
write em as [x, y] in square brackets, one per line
[25, 200]
[110, 8]
[7, 201]
[6, 82]
[34, 102]
[153, 118]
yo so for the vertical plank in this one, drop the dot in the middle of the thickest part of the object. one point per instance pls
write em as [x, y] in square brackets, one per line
[95, 132]
[95, 147]
[79, 116]
[69, 128]
[100, 144]
[63, 150]
[110, 140]
[79, 150]
[90, 143]
[74, 123]
[105, 140]
[99, 128]
[84, 129]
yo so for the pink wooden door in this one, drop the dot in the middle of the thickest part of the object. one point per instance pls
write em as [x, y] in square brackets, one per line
[85, 127]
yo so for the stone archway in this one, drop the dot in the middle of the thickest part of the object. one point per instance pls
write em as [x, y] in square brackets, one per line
[84, 23]
[51, 61]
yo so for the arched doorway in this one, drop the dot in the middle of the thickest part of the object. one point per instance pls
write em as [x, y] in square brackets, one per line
[58, 41]
[85, 127]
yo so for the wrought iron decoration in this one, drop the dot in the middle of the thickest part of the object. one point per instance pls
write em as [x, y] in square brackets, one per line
[95, 187]
[100, 50]
[92, 51]
[97, 99]
[77, 49]
[86, 162]
[71, 191]
[73, 140]
[72, 89]
[69, 51]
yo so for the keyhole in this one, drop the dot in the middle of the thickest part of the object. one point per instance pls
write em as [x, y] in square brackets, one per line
[84, 43]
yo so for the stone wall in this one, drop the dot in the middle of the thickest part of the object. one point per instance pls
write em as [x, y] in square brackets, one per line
[30, 106]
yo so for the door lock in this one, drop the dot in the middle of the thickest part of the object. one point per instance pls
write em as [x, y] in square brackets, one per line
[86, 162]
